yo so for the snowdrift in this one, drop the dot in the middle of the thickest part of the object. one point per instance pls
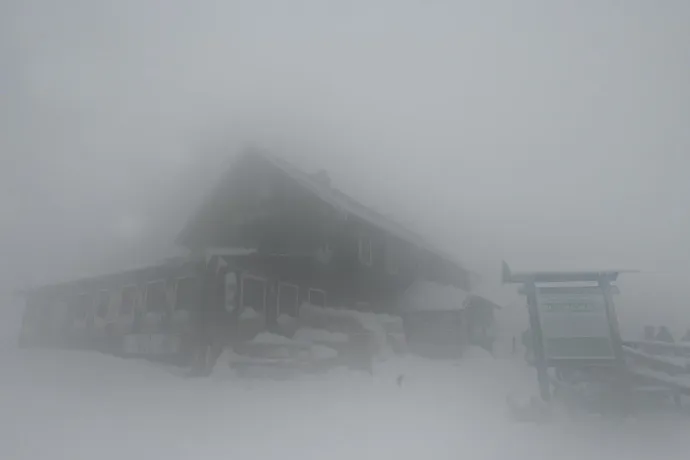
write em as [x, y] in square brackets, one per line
[319, 339]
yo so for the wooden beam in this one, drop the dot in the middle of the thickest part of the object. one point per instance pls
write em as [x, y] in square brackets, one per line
[509, 277]
[538, 343]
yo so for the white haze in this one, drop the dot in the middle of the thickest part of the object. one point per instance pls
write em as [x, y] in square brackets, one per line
[550, 134]
[85, 406]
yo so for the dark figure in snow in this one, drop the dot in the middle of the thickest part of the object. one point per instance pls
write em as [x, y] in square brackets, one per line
[664, 335]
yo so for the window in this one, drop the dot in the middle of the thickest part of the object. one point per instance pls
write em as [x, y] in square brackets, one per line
[288, 299]
[187, 294]
[317, 297]
[103, 304]
[156, 299]
[128, 300]
[365, 250]
[254, 293]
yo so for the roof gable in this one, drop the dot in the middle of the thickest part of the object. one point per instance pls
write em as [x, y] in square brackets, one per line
[349, 205]
[341, 202]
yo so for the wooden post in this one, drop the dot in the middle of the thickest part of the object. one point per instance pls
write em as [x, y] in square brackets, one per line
[622, 385]
[616, 341]
[538, 342]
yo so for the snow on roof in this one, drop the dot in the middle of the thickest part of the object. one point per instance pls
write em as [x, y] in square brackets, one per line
[681, 382]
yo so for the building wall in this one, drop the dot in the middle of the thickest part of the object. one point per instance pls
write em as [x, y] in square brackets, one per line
[436, 334]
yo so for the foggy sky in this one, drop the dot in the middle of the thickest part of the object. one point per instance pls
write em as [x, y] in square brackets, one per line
[551, 134]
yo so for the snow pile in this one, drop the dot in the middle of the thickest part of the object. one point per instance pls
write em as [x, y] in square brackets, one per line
[249, 314]
[318, 352]
[358, 326]
[677, 364]
[288, 322]
[267, 338]
[274, 348]
[311, 335]
[665, 347]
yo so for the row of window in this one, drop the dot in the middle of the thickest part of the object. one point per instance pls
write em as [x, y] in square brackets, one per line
[158, 295]
[255, 292]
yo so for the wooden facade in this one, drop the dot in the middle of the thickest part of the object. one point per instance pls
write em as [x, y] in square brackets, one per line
[355, 254]
[269, 238]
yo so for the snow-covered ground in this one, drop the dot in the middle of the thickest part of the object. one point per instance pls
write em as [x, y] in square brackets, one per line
[69, 405]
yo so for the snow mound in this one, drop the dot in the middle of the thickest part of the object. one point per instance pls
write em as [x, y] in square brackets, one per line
[359, 326]
[311, 335]
[319, 352]
[267, 338]
[249, 314]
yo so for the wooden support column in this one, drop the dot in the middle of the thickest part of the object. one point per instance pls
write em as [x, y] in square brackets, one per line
[614, 329]
[538, 341]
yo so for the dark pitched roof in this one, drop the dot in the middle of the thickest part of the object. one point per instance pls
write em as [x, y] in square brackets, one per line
[341, 201]
[346, 204]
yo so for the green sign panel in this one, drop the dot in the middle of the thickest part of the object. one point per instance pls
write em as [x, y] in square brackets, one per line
[574, 323]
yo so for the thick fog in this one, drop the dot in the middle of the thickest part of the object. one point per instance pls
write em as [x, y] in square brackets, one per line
[552, 135]
[546, 134]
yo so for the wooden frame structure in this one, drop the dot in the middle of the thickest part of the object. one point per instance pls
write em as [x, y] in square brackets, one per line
[529, 281]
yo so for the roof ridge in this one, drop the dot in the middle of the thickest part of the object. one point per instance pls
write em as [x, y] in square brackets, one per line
[335, 198]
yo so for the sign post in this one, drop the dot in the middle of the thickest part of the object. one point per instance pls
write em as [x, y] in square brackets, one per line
[572, 320]
[538, 341]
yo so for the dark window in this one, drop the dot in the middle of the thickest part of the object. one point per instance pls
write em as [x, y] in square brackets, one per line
[103, 303]
[187, 294]
[254, 293]
[288, 299]
[128, 296]
[156, 300]
[317, 297]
